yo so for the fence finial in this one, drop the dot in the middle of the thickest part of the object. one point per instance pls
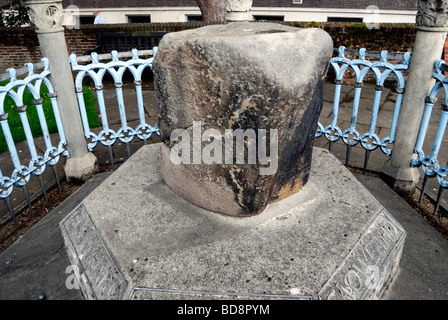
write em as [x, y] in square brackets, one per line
[384, 54]
[341, 51]
[46, 64]
[12, 74]
[94, 56]
[114, 54]
[30, 67]
[362, 54]
[407, 58]
[73, 59]
[134, 54]
[438, 66]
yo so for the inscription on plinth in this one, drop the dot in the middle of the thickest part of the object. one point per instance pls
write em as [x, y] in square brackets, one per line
[99, 276]
[142, 293]
[364, 271]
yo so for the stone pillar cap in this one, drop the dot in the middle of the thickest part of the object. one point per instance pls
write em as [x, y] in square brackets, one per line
[45, 15]
[238, 10]
[432, 15]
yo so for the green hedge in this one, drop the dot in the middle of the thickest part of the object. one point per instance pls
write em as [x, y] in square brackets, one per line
[15, 123]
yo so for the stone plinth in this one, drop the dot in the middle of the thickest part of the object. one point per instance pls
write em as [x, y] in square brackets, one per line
[255, 82]
[134, 238]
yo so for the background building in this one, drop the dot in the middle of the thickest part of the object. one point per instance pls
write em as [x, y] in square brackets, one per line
[115, 11]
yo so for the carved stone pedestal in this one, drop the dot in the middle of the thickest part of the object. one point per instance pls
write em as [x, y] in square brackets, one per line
[133, 238]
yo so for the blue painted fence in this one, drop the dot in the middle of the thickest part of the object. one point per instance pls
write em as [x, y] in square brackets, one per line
[429, 163]
[350, 136]
[116, 68]
[38, 163]
[361, 68]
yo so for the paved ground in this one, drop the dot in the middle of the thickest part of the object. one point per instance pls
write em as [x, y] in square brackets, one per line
[36, 264]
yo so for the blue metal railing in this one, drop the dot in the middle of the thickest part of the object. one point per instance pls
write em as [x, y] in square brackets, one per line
[361, 67]
[333, 133]
[21, 174]
[429, 163]
[116, 69]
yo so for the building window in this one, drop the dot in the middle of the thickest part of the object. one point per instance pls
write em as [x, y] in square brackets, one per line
[139, 19]
[342, 19]
[194, 17]
[86, 19]
[269, 18]
[297, 1]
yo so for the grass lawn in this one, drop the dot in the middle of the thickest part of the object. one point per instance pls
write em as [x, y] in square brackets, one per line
[15, 123]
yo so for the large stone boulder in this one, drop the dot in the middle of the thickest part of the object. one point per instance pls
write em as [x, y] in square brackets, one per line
[218, 84]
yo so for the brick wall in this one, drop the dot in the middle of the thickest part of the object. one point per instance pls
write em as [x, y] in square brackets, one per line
[20, 45]
[80, 41]
[17, 46]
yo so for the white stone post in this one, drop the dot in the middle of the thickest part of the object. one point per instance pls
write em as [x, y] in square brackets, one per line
[428, 47]
[47, 16]
[238, 10]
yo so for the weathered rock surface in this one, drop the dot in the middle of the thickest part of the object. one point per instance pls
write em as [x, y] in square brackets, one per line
[248, 76]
